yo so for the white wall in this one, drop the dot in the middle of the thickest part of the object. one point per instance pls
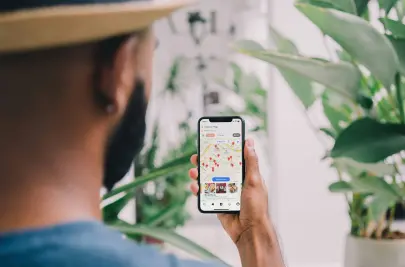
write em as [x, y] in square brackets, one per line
[311, 222]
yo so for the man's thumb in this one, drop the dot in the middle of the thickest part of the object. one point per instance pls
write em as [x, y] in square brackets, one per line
[252, 164]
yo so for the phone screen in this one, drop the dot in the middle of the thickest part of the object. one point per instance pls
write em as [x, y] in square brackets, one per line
[221, 165]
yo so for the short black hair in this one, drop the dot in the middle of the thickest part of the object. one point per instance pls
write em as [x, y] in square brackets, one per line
[107, 48]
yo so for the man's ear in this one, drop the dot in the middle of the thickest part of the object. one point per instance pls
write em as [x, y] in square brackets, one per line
[117, 76]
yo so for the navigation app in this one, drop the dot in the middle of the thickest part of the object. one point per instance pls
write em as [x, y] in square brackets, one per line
[220, 165]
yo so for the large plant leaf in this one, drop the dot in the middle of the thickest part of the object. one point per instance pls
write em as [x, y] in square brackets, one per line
[361, 40]
[301, 85]
[344, 5]
[343, 78]
[399, 46]
[356, 168]
[396, 28]
[369, 141]
[379, 206]
[366, 184]
[374, 185]
[172, 166]
[169, 237]
[387, 5]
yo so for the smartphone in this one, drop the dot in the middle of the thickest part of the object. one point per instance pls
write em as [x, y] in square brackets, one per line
[221, 166]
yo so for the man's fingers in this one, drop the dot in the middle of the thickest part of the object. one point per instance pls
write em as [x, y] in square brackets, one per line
[193, 173]
[193, 159]
[194, 188]
[252, 164]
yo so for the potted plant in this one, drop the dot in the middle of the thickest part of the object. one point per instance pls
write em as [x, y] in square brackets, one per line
[361, 90]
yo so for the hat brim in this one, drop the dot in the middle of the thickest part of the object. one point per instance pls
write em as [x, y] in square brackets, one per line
[65, 25]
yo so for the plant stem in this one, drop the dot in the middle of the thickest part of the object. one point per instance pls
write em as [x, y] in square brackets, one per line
[341, 179]
[399, 97]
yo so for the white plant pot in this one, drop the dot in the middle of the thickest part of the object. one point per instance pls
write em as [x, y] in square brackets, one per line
[362, 252]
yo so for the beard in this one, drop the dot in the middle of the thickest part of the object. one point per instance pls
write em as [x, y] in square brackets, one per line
[127, 140]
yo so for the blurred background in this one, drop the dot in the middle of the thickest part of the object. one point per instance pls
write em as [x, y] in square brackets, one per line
[204, 65]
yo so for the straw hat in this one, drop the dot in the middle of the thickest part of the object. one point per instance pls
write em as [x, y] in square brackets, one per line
[37, 24]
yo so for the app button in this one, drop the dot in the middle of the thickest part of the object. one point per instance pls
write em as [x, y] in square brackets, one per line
[237, 203]
[220, 204]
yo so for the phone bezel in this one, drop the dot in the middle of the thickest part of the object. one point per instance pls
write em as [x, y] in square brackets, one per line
[219, 119]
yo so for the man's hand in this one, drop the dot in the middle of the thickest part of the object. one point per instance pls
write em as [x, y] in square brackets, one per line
[251, 229]
[254, 201]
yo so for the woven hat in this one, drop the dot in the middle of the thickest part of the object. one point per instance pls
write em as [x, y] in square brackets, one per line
[37, 24]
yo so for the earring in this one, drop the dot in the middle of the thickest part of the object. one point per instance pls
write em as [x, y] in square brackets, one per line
[110, 108]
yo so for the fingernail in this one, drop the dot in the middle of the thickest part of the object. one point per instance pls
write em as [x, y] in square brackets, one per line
[250, 143]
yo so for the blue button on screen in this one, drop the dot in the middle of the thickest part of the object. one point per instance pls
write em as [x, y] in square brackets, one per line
[221, 179]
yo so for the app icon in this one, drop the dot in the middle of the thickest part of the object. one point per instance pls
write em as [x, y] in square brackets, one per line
[237, 203]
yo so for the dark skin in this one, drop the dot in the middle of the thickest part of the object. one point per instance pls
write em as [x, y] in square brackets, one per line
[54, 136]
[54, 133]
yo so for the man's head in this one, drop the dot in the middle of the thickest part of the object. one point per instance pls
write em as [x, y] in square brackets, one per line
[85, 98]
[74, 85]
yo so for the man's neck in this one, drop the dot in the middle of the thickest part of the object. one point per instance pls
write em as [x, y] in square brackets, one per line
[48, 187]
[41, 205]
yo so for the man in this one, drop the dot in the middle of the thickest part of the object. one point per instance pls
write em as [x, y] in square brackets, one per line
[74, 82]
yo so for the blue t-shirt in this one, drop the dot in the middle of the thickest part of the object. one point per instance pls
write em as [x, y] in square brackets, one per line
[87, 244]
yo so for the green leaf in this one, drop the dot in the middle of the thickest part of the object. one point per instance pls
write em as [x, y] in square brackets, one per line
[396, 28]
[356, 168]
[379, 206]
[260, 92]
[367, 140]
[237, 76]
[374, 185]
[111, 211]
[340, 187]
[365, 102]
[301, 85]
[169, 237]
[343, 77]
[399, 46]
[387, 5]
[343, 5]
[170, 167]
[165, 214]
[334, 115]
[360, 39]
[361, 6]
[344, 56]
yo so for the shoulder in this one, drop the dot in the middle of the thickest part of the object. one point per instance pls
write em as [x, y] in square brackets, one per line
[82, 244]
[108, 248]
